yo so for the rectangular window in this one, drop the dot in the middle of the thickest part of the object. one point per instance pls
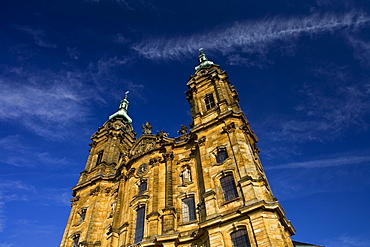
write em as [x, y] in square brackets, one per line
[188, 209]
[139, 229]
[82, 215]
[221, 155]
[209, 101]
[228, 187]
[100, 157]
[142, 187]
[240, 238]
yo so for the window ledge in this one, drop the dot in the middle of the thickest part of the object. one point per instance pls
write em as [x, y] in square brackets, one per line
[188, 223]
[230, 201]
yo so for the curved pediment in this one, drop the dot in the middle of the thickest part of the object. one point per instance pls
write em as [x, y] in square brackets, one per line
[144, 144]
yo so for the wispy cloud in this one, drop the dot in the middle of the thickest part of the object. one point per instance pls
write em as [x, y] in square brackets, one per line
[73, 53]
[326, 110]
[250, 36]
[9, 192]
[131, 5]
[348, 241]
[320, 174]
[38, 36]
[48, 102]
[120, 39]
[44, 102]
[323, 163]
[361, 49]
[15, 190]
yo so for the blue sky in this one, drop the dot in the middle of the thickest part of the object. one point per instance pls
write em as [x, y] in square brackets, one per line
[301, 69]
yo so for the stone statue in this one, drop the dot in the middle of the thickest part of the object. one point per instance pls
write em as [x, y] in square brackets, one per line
[161, 135]
[147, 128]
[186, 175]
[183, 130]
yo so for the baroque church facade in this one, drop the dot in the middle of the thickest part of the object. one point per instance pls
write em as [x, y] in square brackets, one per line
[204, 188]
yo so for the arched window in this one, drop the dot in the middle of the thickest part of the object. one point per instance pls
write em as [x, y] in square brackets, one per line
[188, 209]
[140, 220]
[76, 240]
[239, 238]
[228, 187]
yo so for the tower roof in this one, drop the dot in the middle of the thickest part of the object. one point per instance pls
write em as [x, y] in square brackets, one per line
[122, 110]
[203, 60]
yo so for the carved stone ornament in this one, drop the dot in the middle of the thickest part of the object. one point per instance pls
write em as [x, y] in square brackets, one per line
[130, 173]
[75, 200]
[153, 161]
[117, 125]
[245, 129]
[229, 128]
[256, 150]
[183, 130]
[110, 191]
[201, 140]
[143, 147]
[95, 191]
[167, 156]
[147, 128]
[161, 135]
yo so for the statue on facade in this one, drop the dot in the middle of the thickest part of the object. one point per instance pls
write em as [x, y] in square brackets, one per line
[183, 130]
[161, 135]
[147, 128]
[186, 175]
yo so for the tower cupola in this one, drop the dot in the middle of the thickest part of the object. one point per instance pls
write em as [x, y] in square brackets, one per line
[203, 61]
[122, 110]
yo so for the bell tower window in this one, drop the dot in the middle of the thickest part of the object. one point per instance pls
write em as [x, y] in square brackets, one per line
[240, 238]
[228, 187]
[221, 155]
[209, 101]
[100, 157]
[82, 215]
[76, 241]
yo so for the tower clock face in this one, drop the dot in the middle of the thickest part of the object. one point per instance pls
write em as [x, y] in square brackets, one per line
[142, 168]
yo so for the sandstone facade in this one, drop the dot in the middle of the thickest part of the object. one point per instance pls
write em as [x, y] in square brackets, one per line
[204, 188]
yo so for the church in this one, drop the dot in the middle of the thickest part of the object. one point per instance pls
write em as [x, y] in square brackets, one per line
[204, 188]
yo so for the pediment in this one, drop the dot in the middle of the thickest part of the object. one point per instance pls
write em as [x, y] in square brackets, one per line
[144, 144]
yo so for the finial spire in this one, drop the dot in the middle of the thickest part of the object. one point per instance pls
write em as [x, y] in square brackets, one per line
[122, 110]
[203, 60]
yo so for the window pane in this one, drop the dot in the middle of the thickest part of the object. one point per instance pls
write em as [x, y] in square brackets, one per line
[82, 215]
[240, 238]
[209, 101]
[140, 220]
[221, 156]
[142, 187]
[228, 187]
[100, 157]
[188, 209]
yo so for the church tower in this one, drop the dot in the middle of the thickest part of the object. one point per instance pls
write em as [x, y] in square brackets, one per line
[204, 188]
